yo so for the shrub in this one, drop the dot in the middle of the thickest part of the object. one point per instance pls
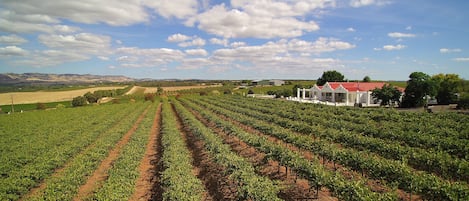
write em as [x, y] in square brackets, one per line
[150, 97]
[463, 102]
[41, 106]
[79, 101]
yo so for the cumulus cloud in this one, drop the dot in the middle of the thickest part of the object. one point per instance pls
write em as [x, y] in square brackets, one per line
[68, 48]
[52, 58]
[186, 41]
[103, 58]
[217, 41]
[282, 56]
[401, 35]
[259, 19]
[237, 44]
[446, 50]
[12, 40]
[176, 38]
[197, 52]
[148, 57]
[361, 3]
[85, 43]
[393, 47]
[195, 42]
[351, 29]
[174, 8]
[12, 51]
[112, 12]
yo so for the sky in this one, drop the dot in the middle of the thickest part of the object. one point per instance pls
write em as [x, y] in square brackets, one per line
[237, 39]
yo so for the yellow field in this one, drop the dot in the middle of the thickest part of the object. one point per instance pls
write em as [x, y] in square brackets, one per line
[44, 97]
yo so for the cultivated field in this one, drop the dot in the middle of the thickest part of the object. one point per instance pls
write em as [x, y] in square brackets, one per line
[233, 148]
[46, 96]
[136, 89]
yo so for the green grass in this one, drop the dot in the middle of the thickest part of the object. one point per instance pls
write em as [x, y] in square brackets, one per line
[33, 106]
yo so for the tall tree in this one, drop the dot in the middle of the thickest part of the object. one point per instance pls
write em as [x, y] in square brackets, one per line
[448, 87]
[367, 79]
[330, 76]
[388, 94]
[419, 86]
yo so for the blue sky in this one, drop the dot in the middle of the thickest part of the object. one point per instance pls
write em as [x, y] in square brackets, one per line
[237, 39]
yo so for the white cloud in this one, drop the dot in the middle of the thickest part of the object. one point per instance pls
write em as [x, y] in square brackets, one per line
[194, 63]
[174, 8]
[238, 44]
[12, 51]
[195, 42]
[26, 27]
[408, 28]
[176, 38]
[461, 59]
[112, 12]
[393, 47]
[319, 46]
[249, 19]
[351, 29]
[282, 56]
[52, 58]
[197, 52]
[217, 41]
[127, 59]
[148, 57]
[85, 43]
[12, 40]
[361, 3]
[103, 58]
[401, 35]
[446, 50]
[68, 48]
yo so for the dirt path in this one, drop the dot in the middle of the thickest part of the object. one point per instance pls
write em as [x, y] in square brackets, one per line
[293, 188]
[100, 174]
[217, 185]
[149, 166]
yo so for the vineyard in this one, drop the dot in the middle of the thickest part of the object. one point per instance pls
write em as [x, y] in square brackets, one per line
[232, 148]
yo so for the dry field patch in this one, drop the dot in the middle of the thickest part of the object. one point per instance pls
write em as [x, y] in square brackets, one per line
[46, 96]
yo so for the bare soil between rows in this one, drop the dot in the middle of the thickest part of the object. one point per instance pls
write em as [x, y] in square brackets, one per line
[147, 186]
[375, 185]
[100, 174]
[293, 188]
[218, 186]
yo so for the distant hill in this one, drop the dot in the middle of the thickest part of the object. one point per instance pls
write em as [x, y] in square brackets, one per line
[41, 78]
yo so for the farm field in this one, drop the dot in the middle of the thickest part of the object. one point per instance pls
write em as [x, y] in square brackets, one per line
[232, 148]
[47, 96]
[138, 89]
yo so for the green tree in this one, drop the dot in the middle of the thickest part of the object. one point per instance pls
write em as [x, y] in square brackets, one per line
[418, 87]
[449, 86]
[91, 97]
[330, 76]
[388, 94]
[367, 79]
[78, 101]
[159, 90]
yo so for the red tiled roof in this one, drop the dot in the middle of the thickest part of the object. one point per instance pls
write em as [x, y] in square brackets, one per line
[359, 86]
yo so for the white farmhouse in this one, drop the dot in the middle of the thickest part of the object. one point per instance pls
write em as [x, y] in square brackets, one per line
[341, 93]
